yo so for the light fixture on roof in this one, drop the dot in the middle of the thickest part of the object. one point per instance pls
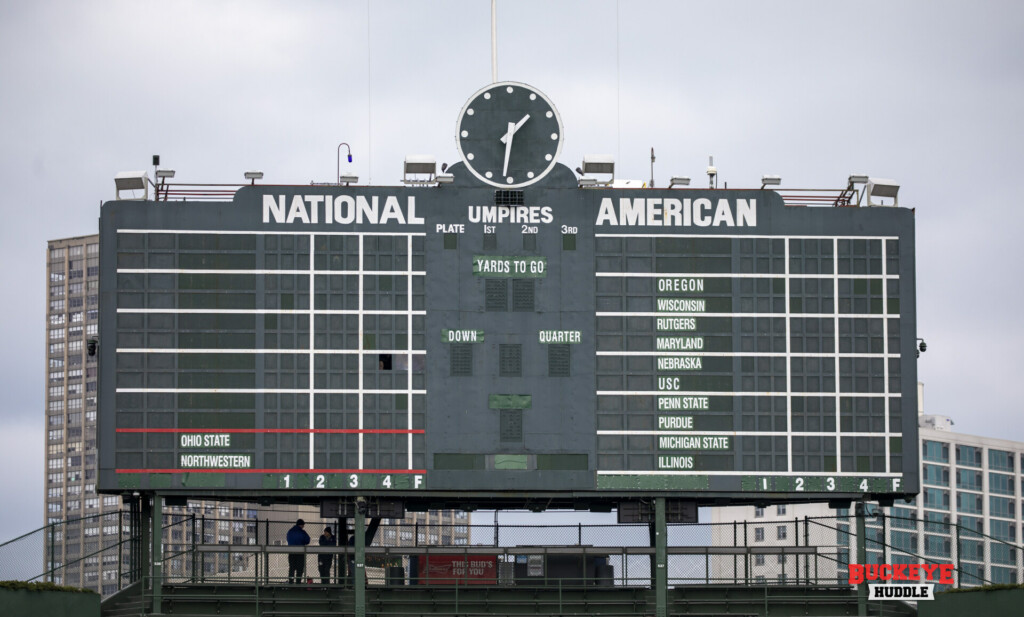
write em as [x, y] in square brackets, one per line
[419, 165]
[770, 180]
[444, 178]
[587, 182]
[857, 179]
[679, 181]
[253, 176]
[348, 179]
[598, 164]
[131, 181]
[164, 173]
[882, 187]
[339, 159]
[712, 172]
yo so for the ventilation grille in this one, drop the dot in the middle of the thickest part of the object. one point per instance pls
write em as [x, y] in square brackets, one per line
[461, 360]
[522, 295]
[558, 360]
[510, 360]
[504, 197]
[511, 423]
[496, 295]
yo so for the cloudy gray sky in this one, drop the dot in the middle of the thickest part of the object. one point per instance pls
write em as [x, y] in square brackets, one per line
[928, 93]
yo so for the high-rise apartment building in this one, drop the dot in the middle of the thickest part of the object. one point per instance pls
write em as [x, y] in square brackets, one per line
[72, 318]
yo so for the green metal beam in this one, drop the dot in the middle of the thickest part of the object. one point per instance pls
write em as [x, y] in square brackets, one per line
[661, 557]
[862, 558]
[158, 553]
[359, 575]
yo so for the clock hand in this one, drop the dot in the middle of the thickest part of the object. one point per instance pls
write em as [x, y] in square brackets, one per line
[507, 138]
[517, 127]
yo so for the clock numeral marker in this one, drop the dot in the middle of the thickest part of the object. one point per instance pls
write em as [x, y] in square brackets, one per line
[465, 133]
[470, 112]
[509, 89]
[487, 95]
[554, 136]
[489, 174]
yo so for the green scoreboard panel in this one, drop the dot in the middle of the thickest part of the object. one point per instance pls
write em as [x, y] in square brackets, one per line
[463, 340]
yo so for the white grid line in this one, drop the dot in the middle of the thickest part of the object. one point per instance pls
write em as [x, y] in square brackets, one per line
[341, 352]
[744, 236]
[225, 232]
[789, 367]
[835, 348]
[311, 271]
[741, 275]
[362, 364]
[312, 332]
[408, 336]
[262, 311]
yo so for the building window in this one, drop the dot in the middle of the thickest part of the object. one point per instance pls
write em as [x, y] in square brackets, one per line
[759, 534]
[935, 451]
[1000, 460]
[780, 532]
[758, 560]
[780, 510]
[758, 512]
[968, 456]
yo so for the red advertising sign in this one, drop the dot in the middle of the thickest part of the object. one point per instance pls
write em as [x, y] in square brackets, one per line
[458, 569]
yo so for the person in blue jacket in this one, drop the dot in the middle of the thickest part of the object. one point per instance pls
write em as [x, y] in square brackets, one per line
[297, 536]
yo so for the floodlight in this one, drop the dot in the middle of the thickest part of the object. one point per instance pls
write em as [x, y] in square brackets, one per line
[164, 173]
[444, 178]
[254, 175]
[348, 179]
[419, 164]
[131, 181]
[679, 181]
[598, 164]
[881, 187]
[585, 182]
[857, 179]
[770, 180]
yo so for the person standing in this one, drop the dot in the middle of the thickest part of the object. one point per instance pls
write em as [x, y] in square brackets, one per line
[326, 560]
[297, 536]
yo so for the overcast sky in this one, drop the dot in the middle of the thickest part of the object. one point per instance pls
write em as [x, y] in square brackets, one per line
[928, 93]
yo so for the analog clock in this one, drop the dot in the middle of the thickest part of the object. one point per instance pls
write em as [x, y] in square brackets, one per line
[509, 134]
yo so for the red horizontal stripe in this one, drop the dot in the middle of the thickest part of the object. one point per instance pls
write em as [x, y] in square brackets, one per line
[373, 431]
[423, 471]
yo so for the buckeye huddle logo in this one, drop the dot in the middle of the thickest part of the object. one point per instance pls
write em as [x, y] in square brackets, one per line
[901, 581]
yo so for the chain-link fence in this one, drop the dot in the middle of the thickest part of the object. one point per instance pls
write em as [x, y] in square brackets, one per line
[799, 551]
[94, 552]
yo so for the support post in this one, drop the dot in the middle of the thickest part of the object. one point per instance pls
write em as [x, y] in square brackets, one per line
[807, 557]
[862, 558]
[158, 553]
[195, 562]
[51, 567]
[959, 564]
[142, 565]
[359, 574]
[661, 557]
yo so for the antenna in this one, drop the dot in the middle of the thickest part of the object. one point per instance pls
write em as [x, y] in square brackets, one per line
[651, 184]
[494, 41]
[712, 172]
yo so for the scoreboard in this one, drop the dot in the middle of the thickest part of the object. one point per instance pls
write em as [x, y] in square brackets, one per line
[546, 339]
[572, 341]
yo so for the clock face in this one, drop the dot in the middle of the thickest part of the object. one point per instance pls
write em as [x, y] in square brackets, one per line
[509, 135]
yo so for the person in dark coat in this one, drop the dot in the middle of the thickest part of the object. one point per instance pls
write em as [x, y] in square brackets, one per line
[297, 536]
[326, 560]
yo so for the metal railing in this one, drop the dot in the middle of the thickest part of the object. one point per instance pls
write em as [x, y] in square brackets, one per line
[179, 191]
[799, 551]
